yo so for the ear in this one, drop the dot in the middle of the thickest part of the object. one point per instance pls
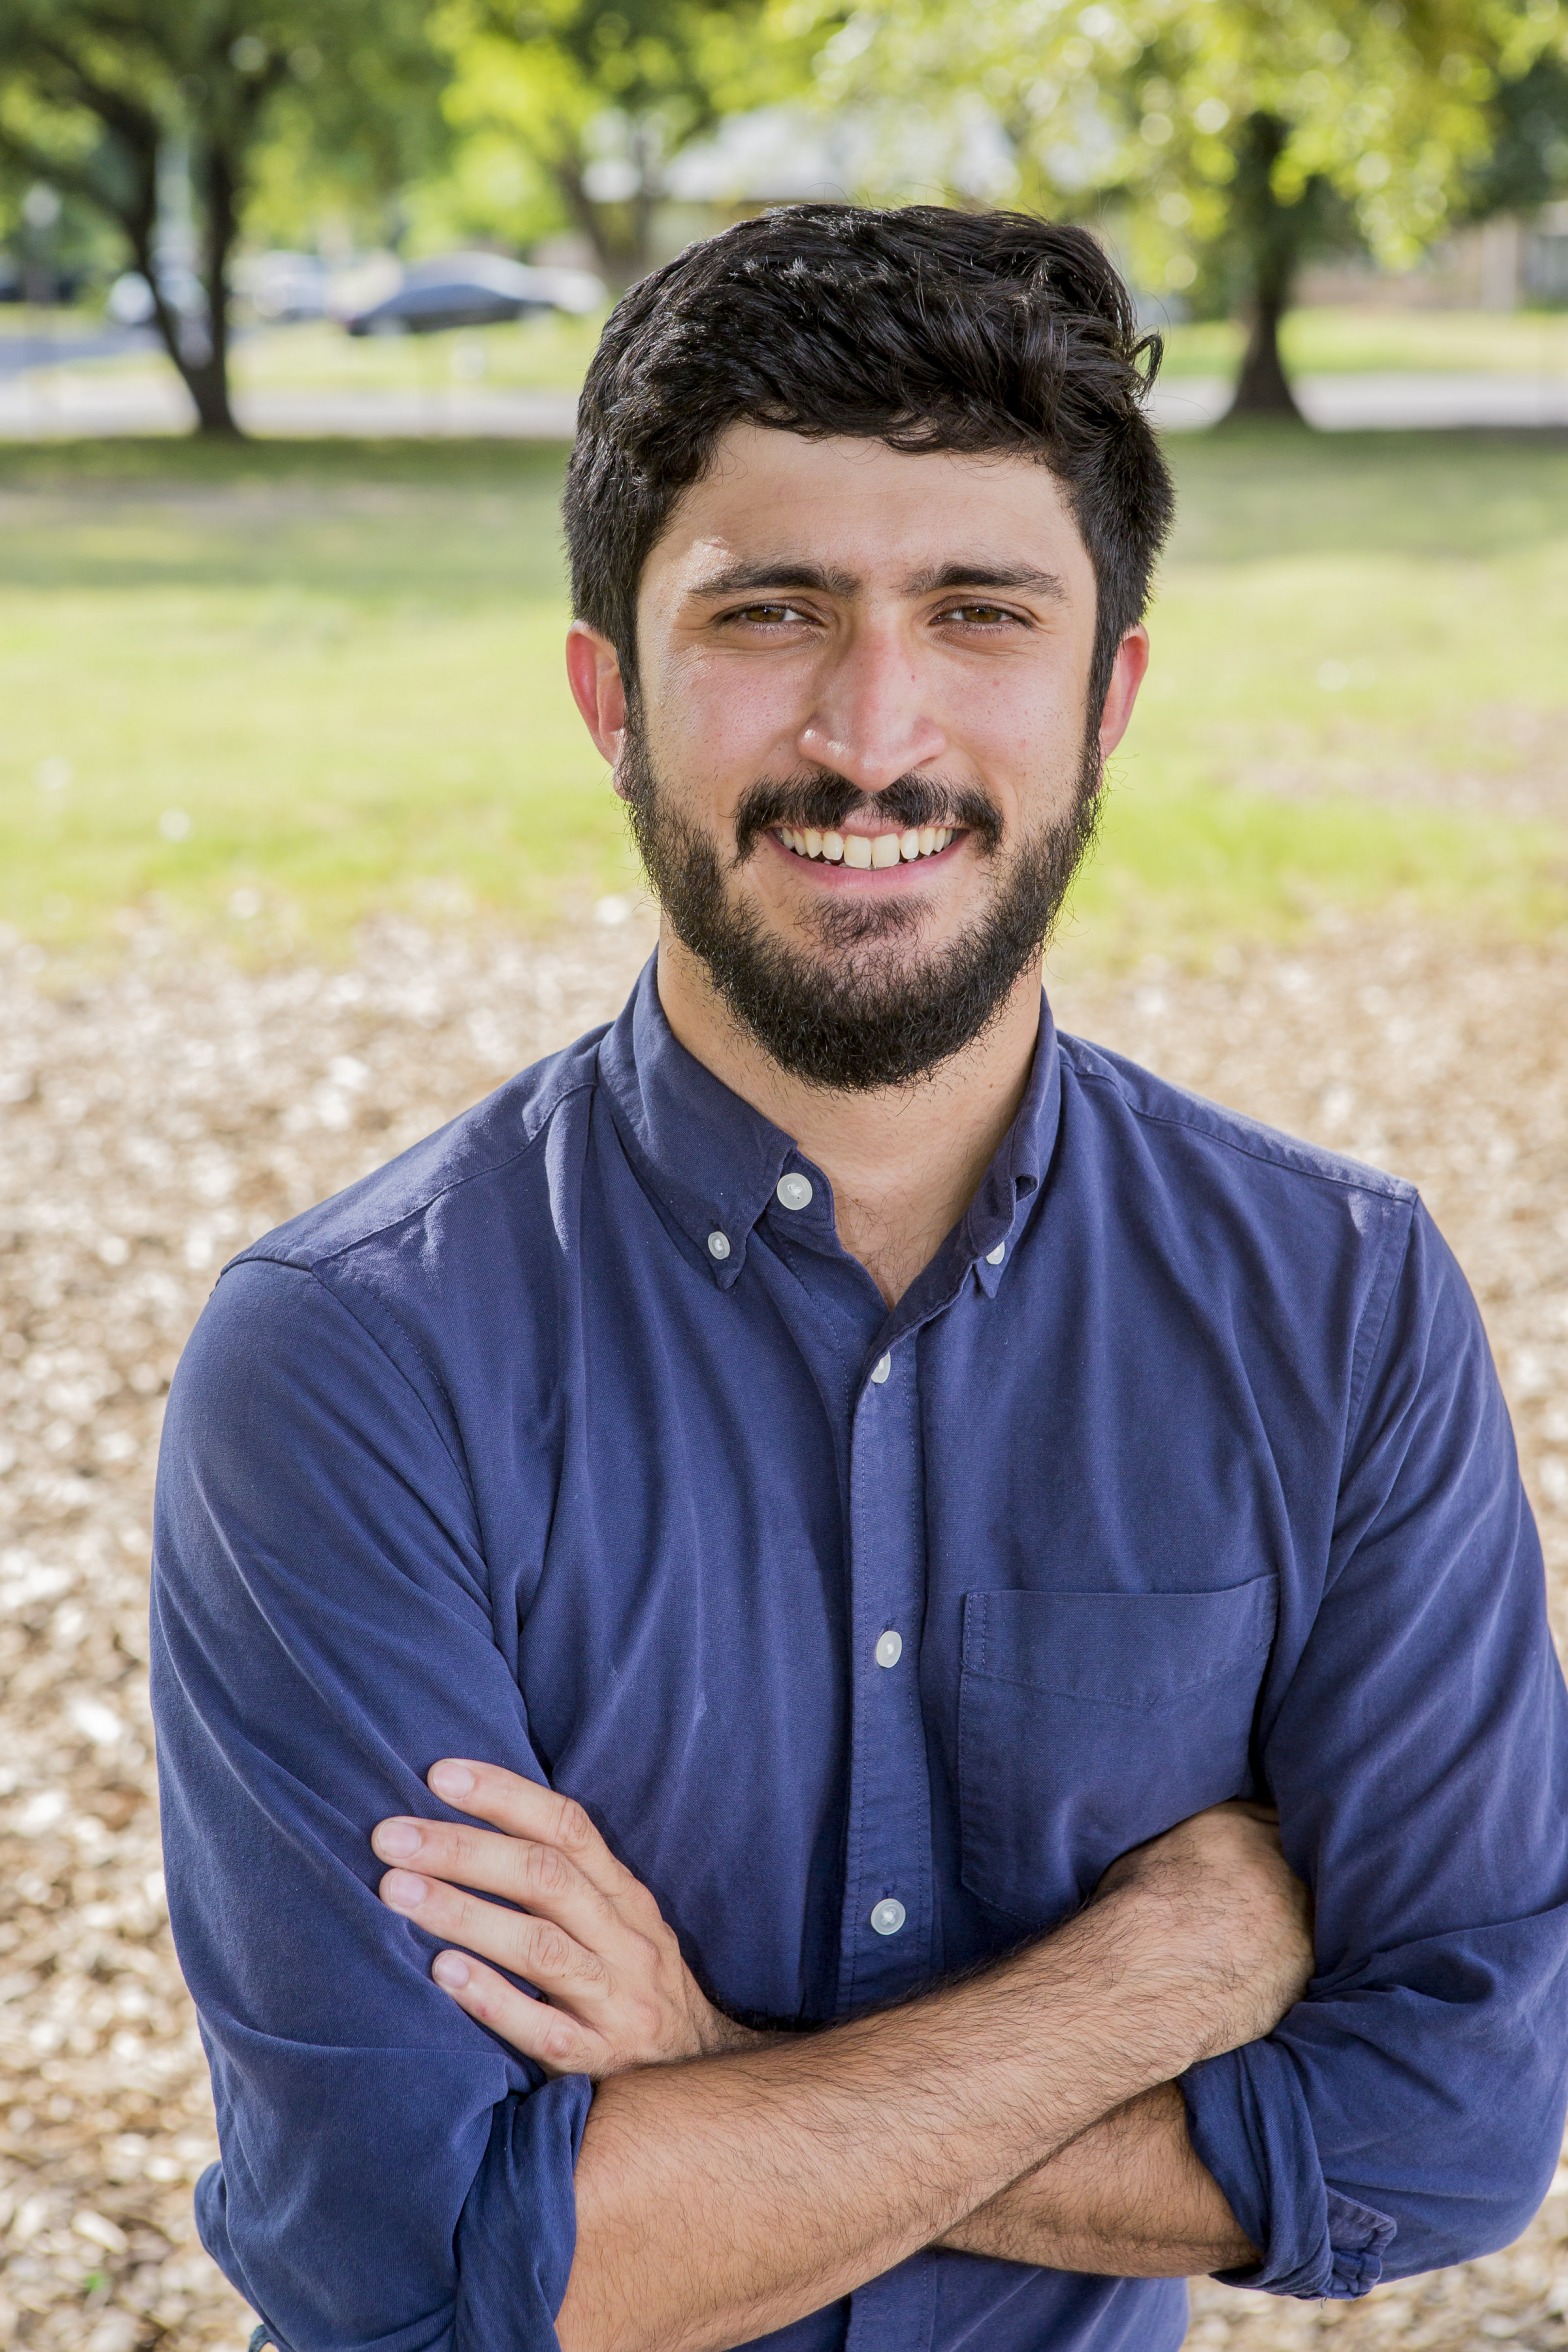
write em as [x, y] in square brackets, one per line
[1127, 675]
[593, 671]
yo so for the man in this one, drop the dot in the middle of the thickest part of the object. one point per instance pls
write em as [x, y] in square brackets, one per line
[810, 1528]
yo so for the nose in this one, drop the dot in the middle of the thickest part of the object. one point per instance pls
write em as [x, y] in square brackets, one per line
[868, 720]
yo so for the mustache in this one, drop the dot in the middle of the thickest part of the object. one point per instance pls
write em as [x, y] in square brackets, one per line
[822, 799]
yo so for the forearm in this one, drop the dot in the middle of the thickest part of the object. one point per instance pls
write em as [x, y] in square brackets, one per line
[727, 2197]
[1128, 2198]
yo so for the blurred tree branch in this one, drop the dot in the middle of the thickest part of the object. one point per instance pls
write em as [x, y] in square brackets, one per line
[1227, 136]
[101, 97]
[604, 96]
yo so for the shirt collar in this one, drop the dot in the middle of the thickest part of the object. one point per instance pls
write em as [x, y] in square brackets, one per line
[714, 1164]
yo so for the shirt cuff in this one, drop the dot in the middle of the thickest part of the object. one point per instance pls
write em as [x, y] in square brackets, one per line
[518, 2229]
[1248, 2118]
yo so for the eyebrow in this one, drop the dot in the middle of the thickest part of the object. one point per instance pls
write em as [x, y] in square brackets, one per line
[787, 573]
[1023, 576]
[790, 573]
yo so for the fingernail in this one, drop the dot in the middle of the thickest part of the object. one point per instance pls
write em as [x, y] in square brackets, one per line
[450, 1780]
[403, 1890]
[396, 1840]
[449, 1970]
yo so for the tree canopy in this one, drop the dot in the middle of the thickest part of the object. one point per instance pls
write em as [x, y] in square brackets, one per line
[1222, 136]
[602, 96]
[104, 98]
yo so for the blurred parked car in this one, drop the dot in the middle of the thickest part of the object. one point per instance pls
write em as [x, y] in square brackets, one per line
[129, 301]
[281, 287]
[475, 290]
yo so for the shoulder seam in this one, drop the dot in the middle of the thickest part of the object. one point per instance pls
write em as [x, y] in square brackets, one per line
[310, 1275]
[256, 1255]
[1368, 1340]
[1373, 1182]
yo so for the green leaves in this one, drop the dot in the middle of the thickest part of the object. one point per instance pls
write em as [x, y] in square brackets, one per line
[603, 94]
[1143, 101]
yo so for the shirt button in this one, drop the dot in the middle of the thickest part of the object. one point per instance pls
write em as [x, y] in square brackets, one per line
[888, 1916]
[995, 1257]
[794, 1191]
[890, 1649]
[719, 1246]
[881, 1368]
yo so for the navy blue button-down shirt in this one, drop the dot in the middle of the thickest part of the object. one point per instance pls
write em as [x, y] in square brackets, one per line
[574, 1440]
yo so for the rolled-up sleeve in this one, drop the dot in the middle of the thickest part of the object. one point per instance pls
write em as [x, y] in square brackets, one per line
[392, 2176]
[1408, 2113]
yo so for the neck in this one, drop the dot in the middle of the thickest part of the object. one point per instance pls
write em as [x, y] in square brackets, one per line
[904, 1161]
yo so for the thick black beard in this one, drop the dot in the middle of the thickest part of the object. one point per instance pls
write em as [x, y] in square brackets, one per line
[856, 1019]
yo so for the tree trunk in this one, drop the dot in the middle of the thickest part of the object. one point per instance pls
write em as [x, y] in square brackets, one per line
[198, 349]
[207, 377]
[645, 160]
[1262, 387]
[1272, 235]
[592, 219]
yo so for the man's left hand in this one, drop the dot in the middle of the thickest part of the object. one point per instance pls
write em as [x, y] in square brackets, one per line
[615, 1991]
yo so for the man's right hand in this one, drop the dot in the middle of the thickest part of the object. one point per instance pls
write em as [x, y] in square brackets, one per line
[724, 2195]
[1215, 1904]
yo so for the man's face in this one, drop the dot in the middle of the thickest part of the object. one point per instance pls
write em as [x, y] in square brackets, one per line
[859, 766]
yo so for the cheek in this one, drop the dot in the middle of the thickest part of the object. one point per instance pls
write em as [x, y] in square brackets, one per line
[1029, 759]
[1017, 713]
[714, 733]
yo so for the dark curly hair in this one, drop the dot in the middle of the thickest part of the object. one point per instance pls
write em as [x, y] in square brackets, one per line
[921, 327]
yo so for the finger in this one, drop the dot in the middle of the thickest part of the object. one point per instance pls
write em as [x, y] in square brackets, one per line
[540, 1878]
[533, 1948]
[527, 1809]
[552, 2038]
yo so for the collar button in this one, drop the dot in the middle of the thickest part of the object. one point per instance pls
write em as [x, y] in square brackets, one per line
[719, 1246]
[793, 1191]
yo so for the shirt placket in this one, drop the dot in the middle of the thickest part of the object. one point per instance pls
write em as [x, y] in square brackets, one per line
[887, 1933]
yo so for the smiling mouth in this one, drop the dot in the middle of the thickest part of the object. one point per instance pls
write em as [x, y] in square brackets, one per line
[865, 850]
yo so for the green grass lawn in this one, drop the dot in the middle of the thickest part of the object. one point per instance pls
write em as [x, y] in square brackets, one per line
[271, 690]
[1334, 342]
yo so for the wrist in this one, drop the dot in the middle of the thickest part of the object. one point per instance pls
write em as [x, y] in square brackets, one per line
[1143, 1963]
[720, 2036]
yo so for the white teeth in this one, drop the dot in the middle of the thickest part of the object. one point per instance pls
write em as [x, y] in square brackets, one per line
[862, 850]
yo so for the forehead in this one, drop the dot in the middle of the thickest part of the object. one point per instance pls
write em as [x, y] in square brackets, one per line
[872, 514]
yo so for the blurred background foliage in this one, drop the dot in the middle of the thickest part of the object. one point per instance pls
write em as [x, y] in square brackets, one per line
[1221, 145]
[265, 688]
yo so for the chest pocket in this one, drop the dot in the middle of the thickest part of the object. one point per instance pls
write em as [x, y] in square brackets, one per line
[1088, 1722]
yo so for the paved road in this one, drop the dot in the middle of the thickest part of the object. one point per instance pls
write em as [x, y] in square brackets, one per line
[19, 354]
[67, 402]
[1377, 402]
[72, 401]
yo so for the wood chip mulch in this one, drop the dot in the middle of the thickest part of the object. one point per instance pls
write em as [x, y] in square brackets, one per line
[154, 1118]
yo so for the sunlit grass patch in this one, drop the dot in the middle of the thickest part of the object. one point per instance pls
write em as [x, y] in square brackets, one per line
[267, 691]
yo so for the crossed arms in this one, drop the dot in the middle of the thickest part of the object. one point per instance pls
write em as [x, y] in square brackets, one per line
[730, 2182]
[326, 1621]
